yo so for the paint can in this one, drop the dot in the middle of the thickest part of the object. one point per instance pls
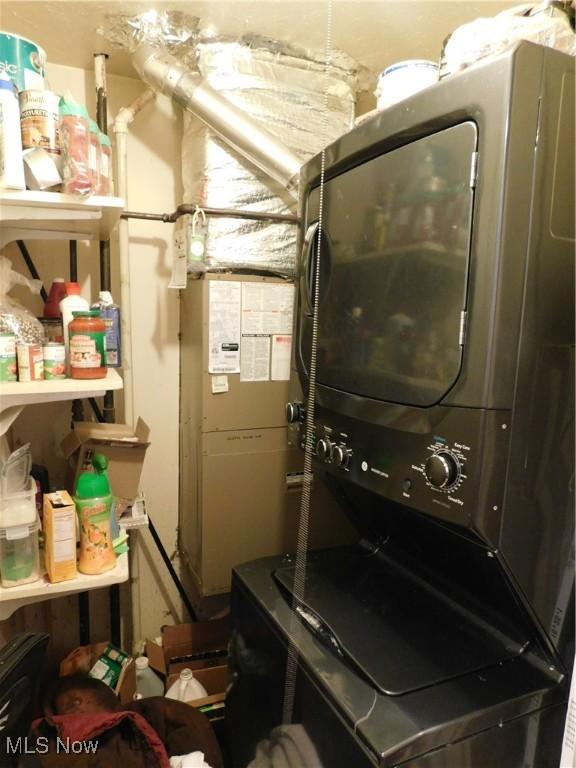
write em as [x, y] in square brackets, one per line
[30, 362]
[7, 357]
[22, 60]
[39, 121]
[404, 79]
[54, 360]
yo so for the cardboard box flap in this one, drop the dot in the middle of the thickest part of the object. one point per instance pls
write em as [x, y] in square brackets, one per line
[184, 639]
[110, 434]
[124, 447]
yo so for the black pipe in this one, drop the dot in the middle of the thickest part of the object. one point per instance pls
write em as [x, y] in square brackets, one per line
[84, 617]
[73, 261]
[96, 409]
[31, 267]
[182, 210]
[114, 608]
[167, 562]
[77, 411]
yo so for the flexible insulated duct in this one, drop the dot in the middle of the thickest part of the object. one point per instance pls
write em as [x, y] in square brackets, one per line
[164, 73]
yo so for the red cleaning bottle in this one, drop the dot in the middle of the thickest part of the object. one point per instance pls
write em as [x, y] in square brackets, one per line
[57, 293]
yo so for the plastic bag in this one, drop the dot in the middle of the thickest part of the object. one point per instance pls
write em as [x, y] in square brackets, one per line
[80, 177]
[544, 24]
[14, 318]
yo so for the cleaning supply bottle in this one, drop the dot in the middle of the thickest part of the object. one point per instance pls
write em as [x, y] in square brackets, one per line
[72, 302]
[147, 681]
[93, 502]
[186, 688]
[56, 295]
[110, 313]
[11, 163]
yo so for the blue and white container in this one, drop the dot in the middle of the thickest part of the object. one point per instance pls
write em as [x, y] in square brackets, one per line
[23, 61]
[110, 313]
[404, 79]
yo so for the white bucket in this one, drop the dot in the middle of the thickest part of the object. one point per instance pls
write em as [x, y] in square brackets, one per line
[403, 79]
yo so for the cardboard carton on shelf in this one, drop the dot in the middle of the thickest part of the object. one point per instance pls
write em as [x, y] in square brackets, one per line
[84, 658]
[215, 681]
[124, 446]
[197, 646]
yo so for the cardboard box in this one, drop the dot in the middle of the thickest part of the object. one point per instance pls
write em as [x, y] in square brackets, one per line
[215, 681]
[124, 447]
[193, 646]
[59, 524]
[82, 659]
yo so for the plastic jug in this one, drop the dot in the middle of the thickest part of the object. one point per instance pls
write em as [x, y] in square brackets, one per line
[147, 681]
[94, 504]
[186, 688]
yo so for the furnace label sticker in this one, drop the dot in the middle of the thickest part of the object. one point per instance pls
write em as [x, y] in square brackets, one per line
[255, 358]
[224, 326]
[267, 308]
[281, 354]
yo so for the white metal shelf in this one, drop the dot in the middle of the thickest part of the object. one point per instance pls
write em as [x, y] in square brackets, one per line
[12, 598]
[15, 395]
[51, 215]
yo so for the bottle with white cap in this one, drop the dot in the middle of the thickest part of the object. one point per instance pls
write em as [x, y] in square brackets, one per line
[147, 681]
[186, 688]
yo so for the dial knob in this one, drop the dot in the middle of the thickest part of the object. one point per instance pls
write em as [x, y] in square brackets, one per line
[324, 449]
[295, 412]
[341, 456]
[442, 470]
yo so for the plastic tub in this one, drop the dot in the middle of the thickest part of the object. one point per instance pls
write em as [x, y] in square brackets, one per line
[19, 554]
[404, 79]
[19, 508]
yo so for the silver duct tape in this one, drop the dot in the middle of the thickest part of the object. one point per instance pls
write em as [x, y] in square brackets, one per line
[286, 95]
[173, 31]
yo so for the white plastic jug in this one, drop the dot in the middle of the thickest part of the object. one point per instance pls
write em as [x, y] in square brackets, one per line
[186, 688]
[147, 681]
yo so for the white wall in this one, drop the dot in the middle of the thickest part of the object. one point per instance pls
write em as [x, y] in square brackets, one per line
[154, 186]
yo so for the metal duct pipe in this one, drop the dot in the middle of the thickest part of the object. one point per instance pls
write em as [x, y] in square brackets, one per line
[164, 73]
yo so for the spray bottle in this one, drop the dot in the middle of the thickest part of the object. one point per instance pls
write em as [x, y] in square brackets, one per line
[110, 313]
[94, 505]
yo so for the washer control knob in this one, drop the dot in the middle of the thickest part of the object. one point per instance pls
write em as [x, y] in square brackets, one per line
[341, 456]
[295, 413]
[324, 449]
[442, 470]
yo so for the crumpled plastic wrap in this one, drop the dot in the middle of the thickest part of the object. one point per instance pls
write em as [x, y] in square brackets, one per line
[287, 95]
[278, 84]
[14, 318]
[544, 23]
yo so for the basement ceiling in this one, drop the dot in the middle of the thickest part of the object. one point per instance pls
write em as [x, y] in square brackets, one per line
[375, 33]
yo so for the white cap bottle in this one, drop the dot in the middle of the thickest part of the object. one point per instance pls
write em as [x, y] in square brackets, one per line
[186, 688]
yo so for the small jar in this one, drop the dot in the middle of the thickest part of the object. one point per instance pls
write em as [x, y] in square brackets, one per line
[87, 345]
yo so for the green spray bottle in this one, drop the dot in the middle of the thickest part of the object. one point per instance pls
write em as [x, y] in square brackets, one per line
[93, 501]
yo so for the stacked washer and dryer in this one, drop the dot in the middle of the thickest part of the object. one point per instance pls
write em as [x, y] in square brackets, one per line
[444, 422]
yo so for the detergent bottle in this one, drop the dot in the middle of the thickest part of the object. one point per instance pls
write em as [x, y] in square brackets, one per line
[94, 504]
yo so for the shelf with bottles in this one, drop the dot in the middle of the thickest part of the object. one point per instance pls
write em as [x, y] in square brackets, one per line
[15, 395]
[12, 598]
[51, 215]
